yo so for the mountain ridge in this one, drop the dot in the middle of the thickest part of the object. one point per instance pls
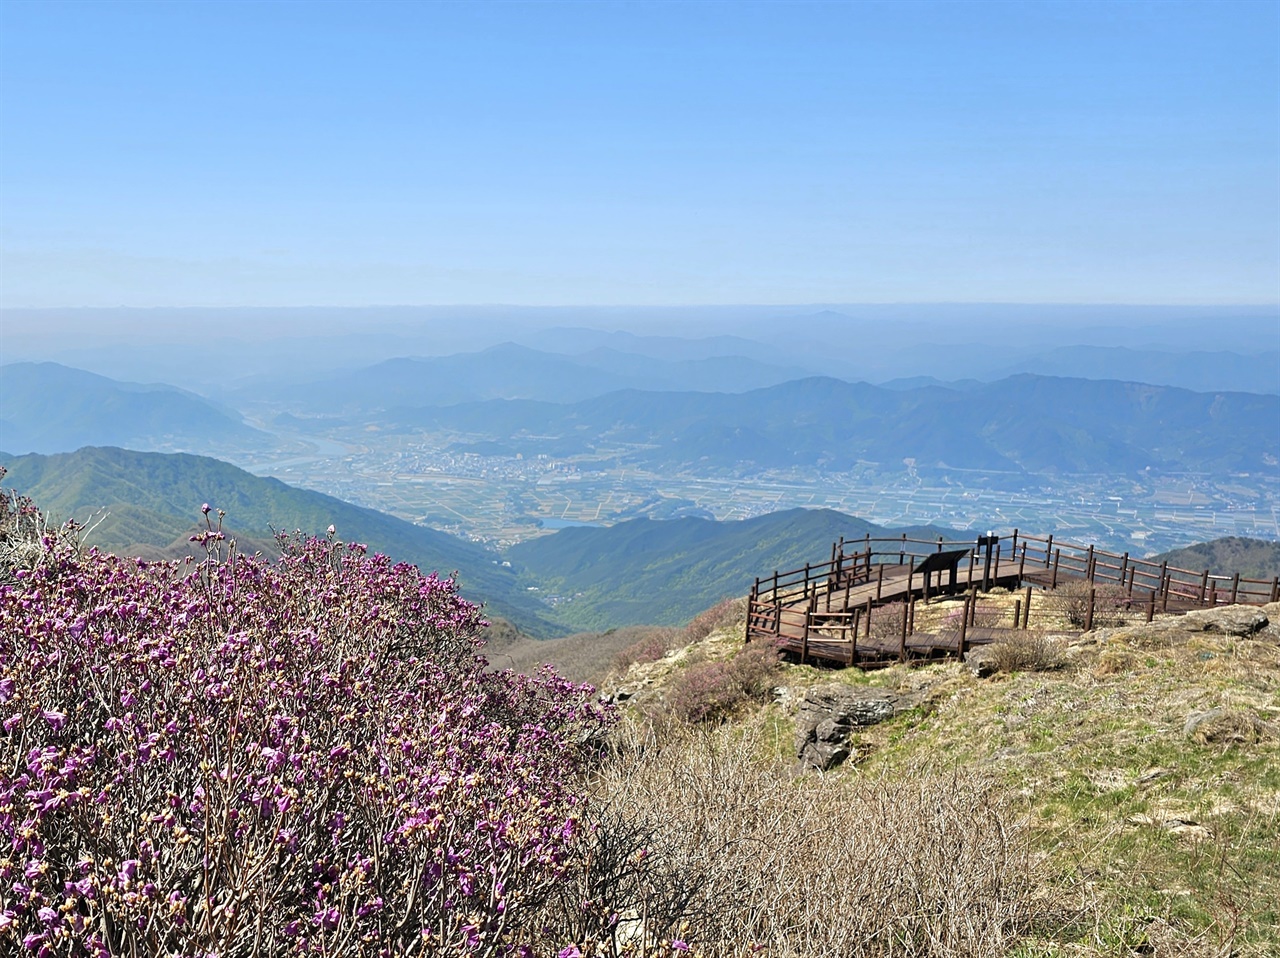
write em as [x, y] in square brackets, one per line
[153, 500]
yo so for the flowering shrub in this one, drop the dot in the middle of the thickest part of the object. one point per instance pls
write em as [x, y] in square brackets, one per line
[239, 757]
[716, 690]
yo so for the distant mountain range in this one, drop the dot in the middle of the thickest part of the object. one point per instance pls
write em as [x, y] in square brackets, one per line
[1020, 424]
[510, 371]
[46, 407]
[664, 572]
[152, 504]
[1199, 371]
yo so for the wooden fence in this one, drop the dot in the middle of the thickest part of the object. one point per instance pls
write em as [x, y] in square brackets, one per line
[832, 602]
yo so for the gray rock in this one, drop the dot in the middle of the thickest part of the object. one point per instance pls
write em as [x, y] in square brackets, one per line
[1228, 620]
[828, 716]
[981, 662]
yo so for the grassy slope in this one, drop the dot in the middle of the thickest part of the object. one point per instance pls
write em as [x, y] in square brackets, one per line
[152, 502]
[665, 572]
[1252, 558]
[1169, 843]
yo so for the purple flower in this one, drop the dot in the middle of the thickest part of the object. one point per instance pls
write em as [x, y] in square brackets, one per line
[56, 719]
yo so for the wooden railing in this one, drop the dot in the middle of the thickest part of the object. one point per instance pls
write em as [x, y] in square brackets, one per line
[1169, 583]
[818, 599]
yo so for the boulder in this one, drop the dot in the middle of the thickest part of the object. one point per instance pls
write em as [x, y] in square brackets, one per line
[1227, 620]
[1224, 726]
[828, 716]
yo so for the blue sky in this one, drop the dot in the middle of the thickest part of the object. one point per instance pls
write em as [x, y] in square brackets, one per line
[350, 154]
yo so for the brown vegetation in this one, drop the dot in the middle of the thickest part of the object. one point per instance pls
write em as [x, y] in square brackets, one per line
[702, 841]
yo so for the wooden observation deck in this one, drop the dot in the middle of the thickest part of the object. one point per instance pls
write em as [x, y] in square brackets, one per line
[859, 606]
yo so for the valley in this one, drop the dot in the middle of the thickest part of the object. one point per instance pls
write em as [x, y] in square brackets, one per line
[503, 499]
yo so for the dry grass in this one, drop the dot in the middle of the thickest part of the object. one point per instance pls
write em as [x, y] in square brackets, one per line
[698, 839]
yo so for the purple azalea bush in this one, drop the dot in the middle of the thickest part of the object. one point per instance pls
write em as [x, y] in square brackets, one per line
[236, 756]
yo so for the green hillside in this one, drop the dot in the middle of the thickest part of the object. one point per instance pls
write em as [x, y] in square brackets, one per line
[151, 503]
[1252, 558]
[664, 572]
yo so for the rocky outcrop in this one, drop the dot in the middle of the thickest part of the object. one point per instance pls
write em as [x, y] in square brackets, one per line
[828, 716]
[1228, 620]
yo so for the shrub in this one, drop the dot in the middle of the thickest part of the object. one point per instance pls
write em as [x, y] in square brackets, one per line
[1026, 651]
[717, 690]
[242, 758]
[1071, 601]
[698, 840]
[26, 538]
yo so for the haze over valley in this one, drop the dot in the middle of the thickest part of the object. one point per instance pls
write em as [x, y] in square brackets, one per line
[739, 418]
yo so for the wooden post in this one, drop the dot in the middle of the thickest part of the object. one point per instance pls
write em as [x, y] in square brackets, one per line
[806, 580]
[1124, 569]
[1026, 611]
[775, 585]
[804, 645]
[1275, 588]
[1014, 550]
[911, 618]
[879, 581]
[969, 578]
[1017, 612]
[1235, 587]
[1088, 619]
[902, 552]
[964, 624]
[1164, 568]
[1213, 593]
[1164, 596]
[1053, 581]
[867, 624]
[902, 640]
[1022, 563]
[1204, 585]
[831, 574]
[1151, 606]
[1048, 550]
[1088, 565]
